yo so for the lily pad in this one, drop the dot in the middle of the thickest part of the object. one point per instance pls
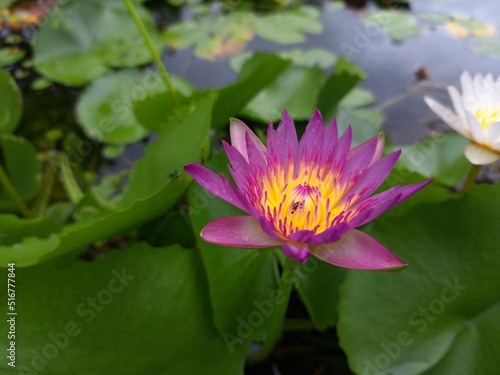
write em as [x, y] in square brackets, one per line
[81, 41]
[289, 27]
[310, 58]
[97, 312]
[10, 55]
[11, 103]
[398, 25]
[440, 315]
[296, 89]
[241, 281]
[485, 46]
[433, 17]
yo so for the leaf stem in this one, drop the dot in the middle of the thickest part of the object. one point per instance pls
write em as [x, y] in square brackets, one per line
[11, 191]
[154, 53]
[471, 178]
[277, 319]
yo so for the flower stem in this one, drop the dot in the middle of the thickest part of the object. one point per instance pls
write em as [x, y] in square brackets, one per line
[154, 53]
[471, 178]
[11, 191]
[278, 318]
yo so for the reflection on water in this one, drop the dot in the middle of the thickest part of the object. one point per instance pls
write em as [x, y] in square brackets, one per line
[390, 66]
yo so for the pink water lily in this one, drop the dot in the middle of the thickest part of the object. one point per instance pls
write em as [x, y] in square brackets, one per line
[306, 197]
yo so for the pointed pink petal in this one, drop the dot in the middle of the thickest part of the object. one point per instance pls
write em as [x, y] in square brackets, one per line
[255, 157]
[358, 161]
[378, 150]
[372, 178]
[299, 254]
[287, 134]
[388, 199]
[237, 231]
[237, 131]
[357, 250]
[332, 234]
[478, 155]
[217, 185]
[313, 135]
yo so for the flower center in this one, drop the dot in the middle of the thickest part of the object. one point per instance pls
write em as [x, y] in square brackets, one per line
[487, 115]
[307, 200]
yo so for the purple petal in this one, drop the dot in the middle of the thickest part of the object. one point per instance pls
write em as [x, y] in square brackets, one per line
[298, 253]
[329, 143]
[238, 131]
[360, 160]
[390, 198]
[342, 149]
[372, 177]
[255, 156]
[357, 250]
[378, 150]
[267, 227]
[313, 135]
[217, 185]
[287, 134]
[303, 236]
[237, 231]
[239, 164]
[332, 234]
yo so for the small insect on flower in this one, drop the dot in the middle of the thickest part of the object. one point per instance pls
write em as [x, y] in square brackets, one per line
[476, 116]
[306, 197]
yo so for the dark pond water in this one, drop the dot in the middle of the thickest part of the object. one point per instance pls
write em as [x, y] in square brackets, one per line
[390, 66]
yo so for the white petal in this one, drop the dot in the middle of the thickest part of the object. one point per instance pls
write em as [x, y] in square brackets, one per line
[450, 118]
[479, 155]
[456, 99]
[492, 133]
[467, 87]
[475, 129]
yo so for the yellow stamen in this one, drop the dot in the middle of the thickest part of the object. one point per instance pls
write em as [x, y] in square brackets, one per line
[487, 115]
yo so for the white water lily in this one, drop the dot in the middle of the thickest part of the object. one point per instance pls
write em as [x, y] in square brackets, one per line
[476, 116]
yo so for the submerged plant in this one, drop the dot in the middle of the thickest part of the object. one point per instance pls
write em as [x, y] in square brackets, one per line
[476, 116]
[306, 197]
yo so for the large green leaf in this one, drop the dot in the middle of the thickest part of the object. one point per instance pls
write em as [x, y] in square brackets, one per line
[15, 229]
[95, 227]
[318, 283]
[241, 281]
[296, 89]
[440, 315]
[82, 318]
[178, 144]
[441, 157]
[22, 165]
[344, 78]
[256, 74]
[82, 40]
[11, 103]
[398, 24]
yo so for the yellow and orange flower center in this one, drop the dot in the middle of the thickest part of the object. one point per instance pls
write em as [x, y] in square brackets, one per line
[308, 200]
[487, 115]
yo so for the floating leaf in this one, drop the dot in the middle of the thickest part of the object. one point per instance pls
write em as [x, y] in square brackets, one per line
[433, 17]
[241, 281]
[296, 89]
[105, 107]
[440, 315]
[441, 157]
[289, 27]
[21, 165]
[462, 27]
[11, 55]
[81, 41]
[11, 103]
[101, 309]
[41, 84]
[397, 24]
[484, 46]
